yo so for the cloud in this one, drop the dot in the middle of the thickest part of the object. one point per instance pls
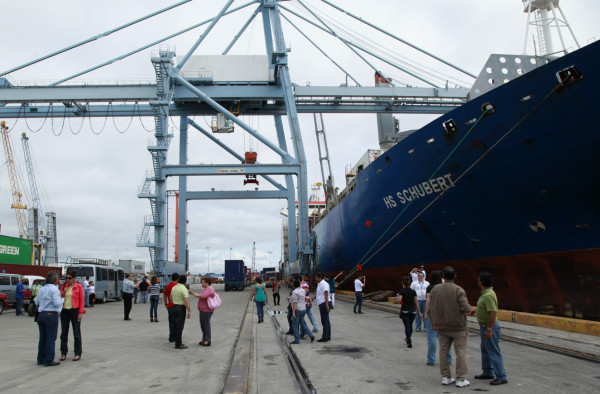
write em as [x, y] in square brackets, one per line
[91, 181]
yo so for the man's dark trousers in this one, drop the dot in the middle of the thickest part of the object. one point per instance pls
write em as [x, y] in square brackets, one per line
[179, 314]
[325, 321]
[48, 326]
[172, 327]
[359, 299]
[127, 297]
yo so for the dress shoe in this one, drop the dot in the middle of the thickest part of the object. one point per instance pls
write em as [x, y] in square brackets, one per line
[484, 376]
[312, 339]
[355, 312]
[497, 382]
[52, 364]
[181, 347]
[322, 340]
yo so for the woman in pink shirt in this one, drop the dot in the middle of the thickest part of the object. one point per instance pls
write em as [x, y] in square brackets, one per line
[205, 311]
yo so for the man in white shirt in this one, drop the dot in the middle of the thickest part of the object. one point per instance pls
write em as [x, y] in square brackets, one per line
[415, 271]
[322, 299]
[86, 291]
[420, 287]
[359, 283]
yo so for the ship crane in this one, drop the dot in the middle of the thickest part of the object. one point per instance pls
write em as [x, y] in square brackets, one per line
[14, 182]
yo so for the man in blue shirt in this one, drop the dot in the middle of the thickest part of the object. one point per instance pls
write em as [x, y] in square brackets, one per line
[49, 303]
[20, 296]
[128, 287]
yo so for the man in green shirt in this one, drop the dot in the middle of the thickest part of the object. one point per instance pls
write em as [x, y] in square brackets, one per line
[492, 363]
[181, 303]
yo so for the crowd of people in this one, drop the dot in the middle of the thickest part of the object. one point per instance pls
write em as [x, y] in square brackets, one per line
[439, 306]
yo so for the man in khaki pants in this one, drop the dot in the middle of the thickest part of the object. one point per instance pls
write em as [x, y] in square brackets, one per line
[448, 306]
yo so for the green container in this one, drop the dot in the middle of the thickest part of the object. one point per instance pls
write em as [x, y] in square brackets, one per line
[15, 250]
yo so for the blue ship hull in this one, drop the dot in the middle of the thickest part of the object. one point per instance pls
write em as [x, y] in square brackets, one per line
[517, 193]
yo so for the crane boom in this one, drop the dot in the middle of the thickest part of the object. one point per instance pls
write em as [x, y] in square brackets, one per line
[14, 182]
[32, 182]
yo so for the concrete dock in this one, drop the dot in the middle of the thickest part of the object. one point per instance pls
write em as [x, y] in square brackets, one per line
[367, 354]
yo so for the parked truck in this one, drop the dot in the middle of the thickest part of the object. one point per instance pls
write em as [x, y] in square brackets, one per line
[234, 275]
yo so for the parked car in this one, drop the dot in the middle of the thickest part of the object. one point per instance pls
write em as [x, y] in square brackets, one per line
[3, 302]
[8, 286]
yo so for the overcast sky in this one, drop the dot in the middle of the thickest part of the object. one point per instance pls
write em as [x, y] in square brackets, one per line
[91, 171]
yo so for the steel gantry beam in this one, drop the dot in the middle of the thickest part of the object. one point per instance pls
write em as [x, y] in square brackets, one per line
[268, 99]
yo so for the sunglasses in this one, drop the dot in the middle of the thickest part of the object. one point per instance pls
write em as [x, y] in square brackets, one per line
[69, 277]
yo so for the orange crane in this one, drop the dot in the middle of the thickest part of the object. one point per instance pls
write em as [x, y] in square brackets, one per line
[14, 182]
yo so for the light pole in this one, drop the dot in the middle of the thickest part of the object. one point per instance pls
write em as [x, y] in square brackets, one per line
[270, 252]
[230, 253]
[208, 259]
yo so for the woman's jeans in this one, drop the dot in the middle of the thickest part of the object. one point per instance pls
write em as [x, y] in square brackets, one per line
[432, 336]
[422, 304]
[154, 306]
[260, 305]
[311, 317]
[407, 319]
[70, 316]
[300, 325]
[205, 325]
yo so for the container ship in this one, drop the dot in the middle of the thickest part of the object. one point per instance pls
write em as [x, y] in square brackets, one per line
[507, 183]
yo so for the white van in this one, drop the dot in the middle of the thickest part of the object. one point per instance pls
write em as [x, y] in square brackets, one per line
[8, 286]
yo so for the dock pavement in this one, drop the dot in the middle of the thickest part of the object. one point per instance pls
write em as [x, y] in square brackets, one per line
[367, 354]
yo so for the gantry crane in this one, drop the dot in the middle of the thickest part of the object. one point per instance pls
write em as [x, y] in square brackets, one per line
[14, 182]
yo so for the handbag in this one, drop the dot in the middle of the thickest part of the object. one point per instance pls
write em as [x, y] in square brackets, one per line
[214, 302]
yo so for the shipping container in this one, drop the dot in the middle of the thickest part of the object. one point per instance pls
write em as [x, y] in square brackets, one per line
[16, 250]
[133, 266]
[40, 270]
[234, 275]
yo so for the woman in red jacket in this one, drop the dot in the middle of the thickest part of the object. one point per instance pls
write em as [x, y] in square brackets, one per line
[72, 312]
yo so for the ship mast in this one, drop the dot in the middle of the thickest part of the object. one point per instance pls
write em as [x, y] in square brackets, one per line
[545, 16]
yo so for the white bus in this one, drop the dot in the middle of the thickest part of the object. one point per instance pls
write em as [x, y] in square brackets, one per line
[108, 280]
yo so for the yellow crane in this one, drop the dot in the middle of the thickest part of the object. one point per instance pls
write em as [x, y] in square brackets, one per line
[14, 182]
